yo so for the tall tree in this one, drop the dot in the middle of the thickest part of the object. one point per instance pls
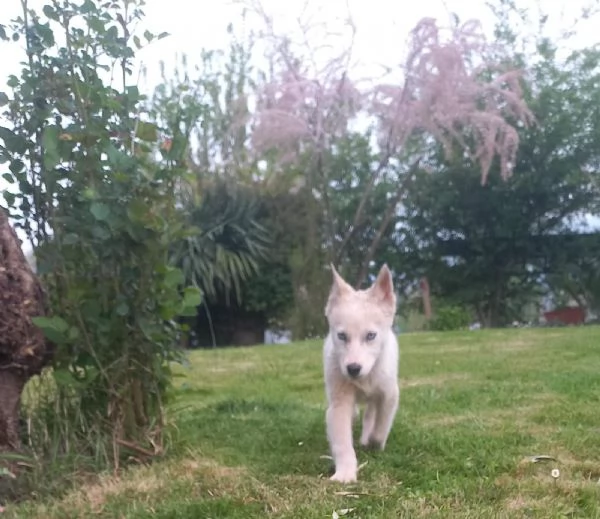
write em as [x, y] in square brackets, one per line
[455, 89]
[490, 246]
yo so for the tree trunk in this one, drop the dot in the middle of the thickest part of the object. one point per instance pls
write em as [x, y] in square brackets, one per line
[24, 350]
[425, 292]
[11, 385]
[387, 218]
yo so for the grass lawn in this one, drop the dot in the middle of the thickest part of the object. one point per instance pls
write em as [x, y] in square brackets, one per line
[475, 406]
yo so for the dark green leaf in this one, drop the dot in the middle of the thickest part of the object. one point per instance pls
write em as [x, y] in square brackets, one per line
[100, 233]
[137, 210]
[174, 277]
[112, 33]
[13, 81]
[50, 12]
[46, 35]
[147, 131]
[3, 99]
[96, 24]
[50, 140]
[191, 299]
[70, 239]
[63, 377]
[13, 142]
[10, 198]
[122, 309]
[54, 328]
[73, 334]
[16, 166]
[100, 211]
[88, 7]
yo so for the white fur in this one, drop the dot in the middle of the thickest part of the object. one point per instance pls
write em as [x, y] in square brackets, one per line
[352, 315]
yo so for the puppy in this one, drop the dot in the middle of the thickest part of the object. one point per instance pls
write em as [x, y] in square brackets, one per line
[360, 358]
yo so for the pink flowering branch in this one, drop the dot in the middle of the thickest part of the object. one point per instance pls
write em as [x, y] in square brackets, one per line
[452, 90]
[304, 104]
[446, 95]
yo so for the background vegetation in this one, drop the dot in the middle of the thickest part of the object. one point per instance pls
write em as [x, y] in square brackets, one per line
[207, 212]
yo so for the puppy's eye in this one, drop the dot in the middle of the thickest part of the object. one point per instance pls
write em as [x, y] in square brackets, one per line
[370, 336]
[342, 336]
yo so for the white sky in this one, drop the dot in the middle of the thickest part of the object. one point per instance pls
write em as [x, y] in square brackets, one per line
[382, 26]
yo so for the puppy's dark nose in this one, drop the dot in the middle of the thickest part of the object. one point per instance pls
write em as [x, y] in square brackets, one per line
[353, 369]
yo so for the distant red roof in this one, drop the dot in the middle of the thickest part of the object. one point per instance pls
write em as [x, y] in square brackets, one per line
[566, 315]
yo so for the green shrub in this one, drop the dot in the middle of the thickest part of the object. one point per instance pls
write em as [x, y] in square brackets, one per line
[449, 317]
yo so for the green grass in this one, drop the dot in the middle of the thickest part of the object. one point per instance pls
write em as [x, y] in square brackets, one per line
[250, 439]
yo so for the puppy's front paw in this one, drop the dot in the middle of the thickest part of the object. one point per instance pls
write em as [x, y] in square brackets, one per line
[373, 444]
[344, 476]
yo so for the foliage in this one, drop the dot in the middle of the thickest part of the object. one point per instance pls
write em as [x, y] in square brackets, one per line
[449, 317]
[270, 292]
[492, 246]
[254, 221]
[574, 271]
[454, 89]
[226, 240]
[236, 250]
[95, 196]
[204, 113]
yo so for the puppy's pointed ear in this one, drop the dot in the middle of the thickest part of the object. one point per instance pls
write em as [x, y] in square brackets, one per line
[383, 289]
[338, 289]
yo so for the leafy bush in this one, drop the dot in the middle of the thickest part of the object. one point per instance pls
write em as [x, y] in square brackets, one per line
[95, 193]
[449, 317]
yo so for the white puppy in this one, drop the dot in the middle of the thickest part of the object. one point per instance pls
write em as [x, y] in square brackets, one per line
[361, 365]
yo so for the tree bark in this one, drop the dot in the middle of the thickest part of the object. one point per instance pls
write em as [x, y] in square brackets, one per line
[24, 350]
[426, 294]
[11, 386]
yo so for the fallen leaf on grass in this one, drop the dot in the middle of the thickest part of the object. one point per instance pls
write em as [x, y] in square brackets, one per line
[351, 494]
[541, 457]
[6, 473]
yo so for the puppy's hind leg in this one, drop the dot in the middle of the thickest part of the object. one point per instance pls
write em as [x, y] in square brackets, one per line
[368, 423]
[384, 418]
[356, 413]
[339, 432]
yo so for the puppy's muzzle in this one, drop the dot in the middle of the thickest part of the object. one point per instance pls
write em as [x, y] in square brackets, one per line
[353, 369]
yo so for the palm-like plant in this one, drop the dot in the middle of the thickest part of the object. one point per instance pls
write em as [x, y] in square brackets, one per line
[228, 243]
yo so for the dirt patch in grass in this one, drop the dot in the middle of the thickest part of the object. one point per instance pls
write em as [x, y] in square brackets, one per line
[438, 380]
[523, 503]
[149, 482]
[503, 346]
[572, 469]
[232, 367]
[496, 417]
